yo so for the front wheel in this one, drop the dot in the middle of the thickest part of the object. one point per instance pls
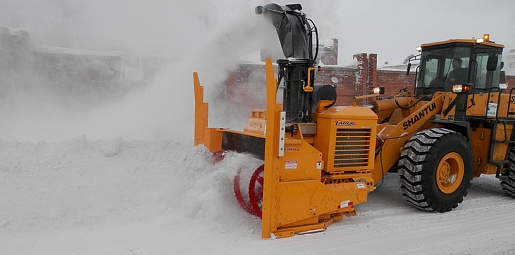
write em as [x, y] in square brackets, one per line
[435, 169]
[508, 178]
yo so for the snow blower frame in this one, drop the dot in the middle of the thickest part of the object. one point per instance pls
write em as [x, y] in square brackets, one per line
[295, 198]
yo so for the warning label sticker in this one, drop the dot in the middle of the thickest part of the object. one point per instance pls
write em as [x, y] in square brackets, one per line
[345, 203]
[290, 164]
[491, 110]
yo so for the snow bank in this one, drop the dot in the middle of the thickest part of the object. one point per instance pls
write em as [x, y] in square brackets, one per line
[80, 185]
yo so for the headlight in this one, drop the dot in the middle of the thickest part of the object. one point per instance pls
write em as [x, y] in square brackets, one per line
[377, 90]
[460, 88]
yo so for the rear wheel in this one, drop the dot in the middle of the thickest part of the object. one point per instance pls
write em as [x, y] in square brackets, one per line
[508, 180]
[435, 169]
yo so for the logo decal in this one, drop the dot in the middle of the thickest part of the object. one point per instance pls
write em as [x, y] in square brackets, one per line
[345, 123]
[426, 111]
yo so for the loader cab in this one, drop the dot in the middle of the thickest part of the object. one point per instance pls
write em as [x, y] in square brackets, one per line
[473, 62]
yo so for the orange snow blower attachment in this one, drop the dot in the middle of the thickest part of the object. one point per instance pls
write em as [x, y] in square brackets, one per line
[308, 181]
[318, 159]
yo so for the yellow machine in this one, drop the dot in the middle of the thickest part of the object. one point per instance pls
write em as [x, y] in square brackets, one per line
[321, 160]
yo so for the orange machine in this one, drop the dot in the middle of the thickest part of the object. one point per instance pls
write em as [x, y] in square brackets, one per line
[320, 160]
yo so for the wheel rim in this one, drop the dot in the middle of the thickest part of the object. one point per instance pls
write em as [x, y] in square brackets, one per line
[449, 173]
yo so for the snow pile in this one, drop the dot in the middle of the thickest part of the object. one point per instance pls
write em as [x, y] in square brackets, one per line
[81, 183]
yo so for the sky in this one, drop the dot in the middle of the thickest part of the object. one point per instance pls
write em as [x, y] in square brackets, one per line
[392, 30]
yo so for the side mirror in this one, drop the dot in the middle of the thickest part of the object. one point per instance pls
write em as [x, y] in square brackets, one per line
[409, 68]
[491, 65]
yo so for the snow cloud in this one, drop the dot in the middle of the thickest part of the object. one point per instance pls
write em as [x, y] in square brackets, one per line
[205, 36]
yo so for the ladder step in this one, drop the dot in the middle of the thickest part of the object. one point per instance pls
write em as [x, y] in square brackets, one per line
[506, 119]
[508, 142]
[499, 162]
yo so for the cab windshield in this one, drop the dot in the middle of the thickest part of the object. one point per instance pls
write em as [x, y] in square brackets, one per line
[442, 68]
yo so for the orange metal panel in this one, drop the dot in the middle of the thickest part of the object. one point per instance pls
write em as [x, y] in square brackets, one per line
[271, 172]
[201, 111]
[213, 139]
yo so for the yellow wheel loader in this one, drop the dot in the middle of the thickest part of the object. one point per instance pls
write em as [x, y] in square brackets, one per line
[321, 160]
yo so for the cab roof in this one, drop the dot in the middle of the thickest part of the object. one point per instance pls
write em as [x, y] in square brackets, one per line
[461, 41]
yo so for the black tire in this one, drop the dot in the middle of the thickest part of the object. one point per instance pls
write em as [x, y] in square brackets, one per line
[431, 153]
[508, 179]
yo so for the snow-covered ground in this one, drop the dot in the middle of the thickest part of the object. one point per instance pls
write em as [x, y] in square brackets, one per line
[79, 176]
[116, 196]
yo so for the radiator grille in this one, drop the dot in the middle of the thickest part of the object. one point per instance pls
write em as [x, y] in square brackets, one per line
[352, 148]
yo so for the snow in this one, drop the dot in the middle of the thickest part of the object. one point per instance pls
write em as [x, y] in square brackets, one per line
[118, 196]
[94, 172]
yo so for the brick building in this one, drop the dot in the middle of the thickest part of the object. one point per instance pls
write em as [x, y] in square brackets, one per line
[245, 86]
